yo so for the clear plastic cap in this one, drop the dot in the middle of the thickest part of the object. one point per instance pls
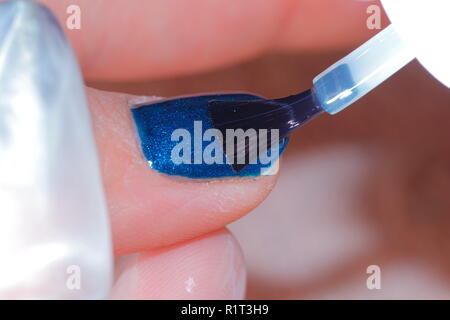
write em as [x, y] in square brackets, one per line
[362, 70]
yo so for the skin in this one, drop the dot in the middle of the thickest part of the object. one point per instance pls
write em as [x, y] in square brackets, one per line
[175, 229]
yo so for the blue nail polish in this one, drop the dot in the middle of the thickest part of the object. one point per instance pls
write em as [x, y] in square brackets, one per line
[157, 122]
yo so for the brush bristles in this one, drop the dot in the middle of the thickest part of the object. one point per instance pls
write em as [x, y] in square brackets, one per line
[285, 115]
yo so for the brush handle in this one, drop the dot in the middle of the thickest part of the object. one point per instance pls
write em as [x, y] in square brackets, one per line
[362, 70]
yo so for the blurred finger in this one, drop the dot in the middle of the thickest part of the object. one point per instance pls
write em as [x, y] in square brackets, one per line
[210, 267]
[138, 39]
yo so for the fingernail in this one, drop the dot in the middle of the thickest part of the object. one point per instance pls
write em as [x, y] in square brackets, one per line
[177, 138]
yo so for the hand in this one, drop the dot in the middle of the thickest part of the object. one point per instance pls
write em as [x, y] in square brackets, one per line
[175, 229]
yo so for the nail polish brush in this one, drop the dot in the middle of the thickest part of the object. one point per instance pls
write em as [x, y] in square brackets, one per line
[415, 32]
[333, 90]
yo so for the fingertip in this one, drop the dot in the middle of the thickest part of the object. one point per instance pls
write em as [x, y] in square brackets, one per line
[149, 209]
[209, 267]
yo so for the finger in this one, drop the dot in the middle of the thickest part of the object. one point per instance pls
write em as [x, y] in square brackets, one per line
[149, 209]
[210, 267]
[138, 39]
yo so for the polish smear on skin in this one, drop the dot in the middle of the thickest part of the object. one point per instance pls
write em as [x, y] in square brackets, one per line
[156, 122]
